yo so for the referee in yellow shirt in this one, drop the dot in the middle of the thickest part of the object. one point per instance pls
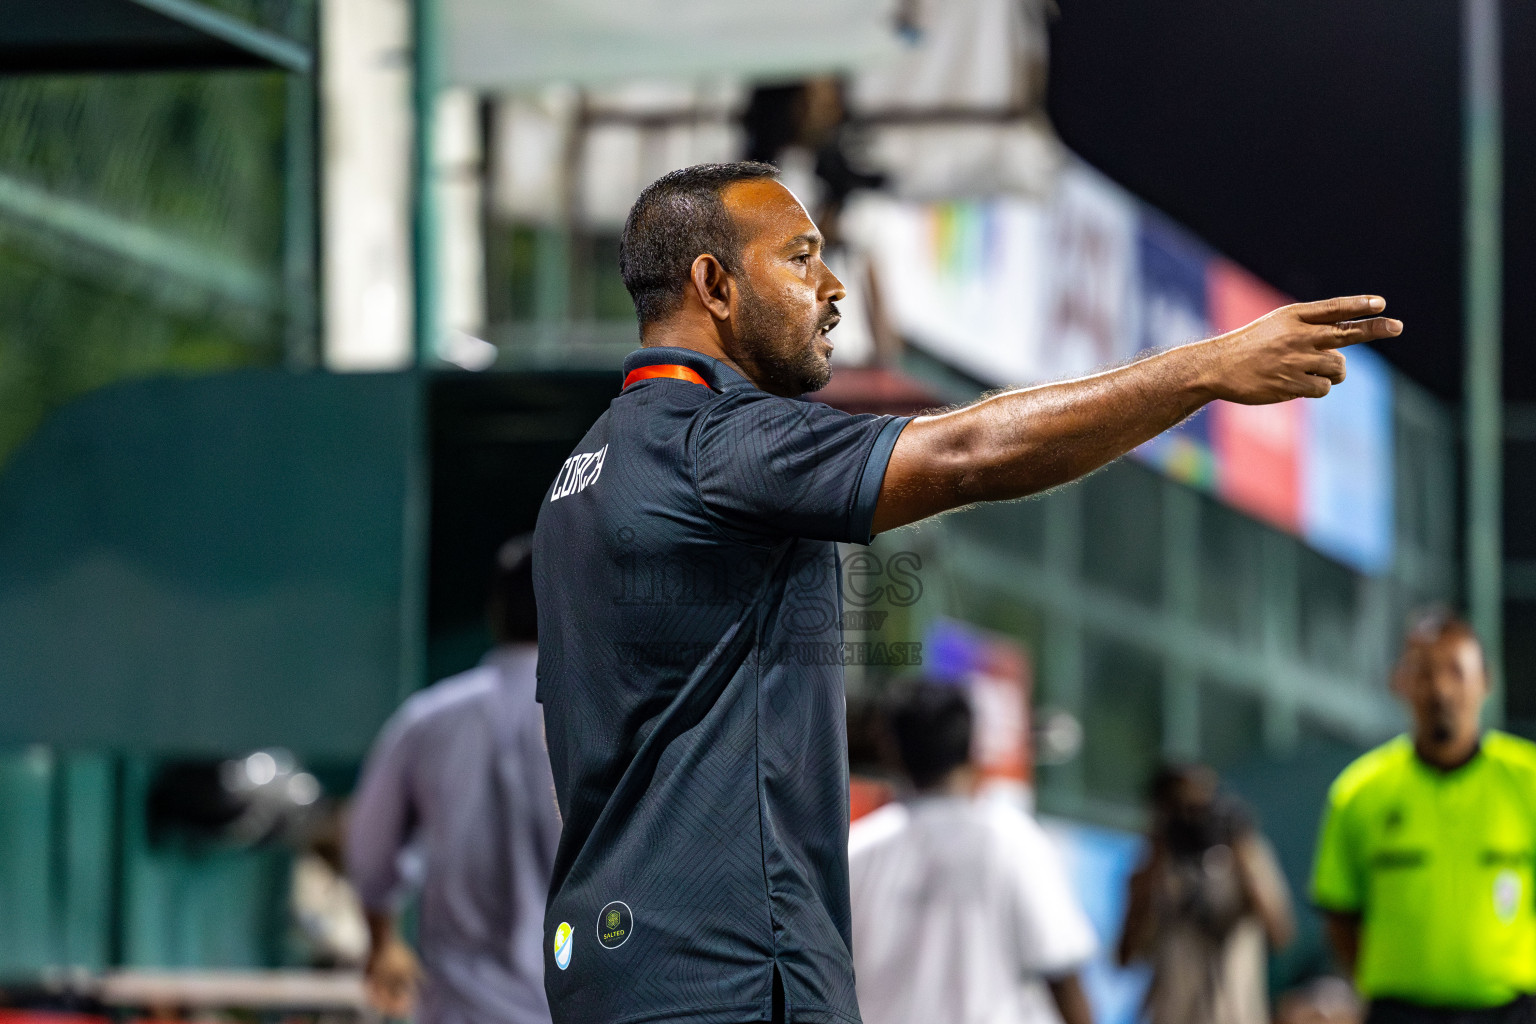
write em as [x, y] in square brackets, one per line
[1425, 861]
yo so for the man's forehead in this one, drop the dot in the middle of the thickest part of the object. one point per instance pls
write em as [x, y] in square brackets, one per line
[764, 206]
[1449, 646]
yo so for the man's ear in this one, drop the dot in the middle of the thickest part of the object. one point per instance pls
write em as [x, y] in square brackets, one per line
[713, 285]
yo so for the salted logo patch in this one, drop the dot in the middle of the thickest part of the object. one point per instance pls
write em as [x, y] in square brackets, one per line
[563, 945]
[615, 925]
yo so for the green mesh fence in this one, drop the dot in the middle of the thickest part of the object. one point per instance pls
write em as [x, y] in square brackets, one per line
[143, 224]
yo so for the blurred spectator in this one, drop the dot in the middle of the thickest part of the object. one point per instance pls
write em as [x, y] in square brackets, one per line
[460, 775]
[961, 909]
[1424, 861]
[326, 911]
[1202, 904]
[874, 772]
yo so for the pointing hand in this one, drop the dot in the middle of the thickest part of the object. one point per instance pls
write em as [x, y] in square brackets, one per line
[1293, 352]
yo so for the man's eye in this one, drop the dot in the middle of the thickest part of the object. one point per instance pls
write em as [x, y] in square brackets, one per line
[803, 257]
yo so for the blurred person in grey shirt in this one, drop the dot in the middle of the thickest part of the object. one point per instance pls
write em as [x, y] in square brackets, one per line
[962, 910]
[457, 800]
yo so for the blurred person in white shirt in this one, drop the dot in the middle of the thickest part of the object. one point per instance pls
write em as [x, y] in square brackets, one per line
[962, 910]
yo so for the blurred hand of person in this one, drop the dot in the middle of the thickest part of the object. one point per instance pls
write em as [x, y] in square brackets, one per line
[1265, 886]
[1293, 352]
[392, 977]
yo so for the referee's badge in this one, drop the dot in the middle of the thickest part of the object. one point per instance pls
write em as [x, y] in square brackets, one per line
[1506, 895]
[563, 945]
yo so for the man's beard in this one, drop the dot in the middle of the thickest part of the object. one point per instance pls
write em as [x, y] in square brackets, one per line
[787, 364]
[1442, 723]
[1442, 728]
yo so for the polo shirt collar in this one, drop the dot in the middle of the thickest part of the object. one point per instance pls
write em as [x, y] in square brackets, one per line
[720, 377]
[1436, 772]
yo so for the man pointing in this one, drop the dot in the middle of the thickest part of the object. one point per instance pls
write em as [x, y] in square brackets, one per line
[686, 569]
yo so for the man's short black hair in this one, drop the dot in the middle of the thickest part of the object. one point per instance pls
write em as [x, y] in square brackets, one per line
[1435, 622]
[1171, 777]
[932, 726]
[678, 218]
[514, 618]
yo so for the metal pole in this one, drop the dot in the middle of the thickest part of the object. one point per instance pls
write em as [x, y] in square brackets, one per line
[301, 335]
[1483, 392]
[427, 257]
[427, 270]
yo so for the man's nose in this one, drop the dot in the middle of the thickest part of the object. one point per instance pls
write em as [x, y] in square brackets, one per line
[832, 289]
[1444, 690]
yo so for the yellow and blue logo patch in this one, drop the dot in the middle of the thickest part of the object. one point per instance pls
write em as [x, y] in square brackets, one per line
[563, 945]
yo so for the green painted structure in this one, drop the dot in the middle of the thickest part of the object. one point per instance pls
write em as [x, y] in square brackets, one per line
[82, 886]
[192, 566]
[263, 530]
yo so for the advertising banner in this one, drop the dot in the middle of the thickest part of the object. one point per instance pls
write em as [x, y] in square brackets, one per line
[1091, 276]
[1257, 447]
[1347, 460]
[1173, 302]
[1017, 290]
[961, 280]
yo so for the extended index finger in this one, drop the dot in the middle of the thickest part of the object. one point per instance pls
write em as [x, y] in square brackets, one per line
[1353, 332]
[1331, 311]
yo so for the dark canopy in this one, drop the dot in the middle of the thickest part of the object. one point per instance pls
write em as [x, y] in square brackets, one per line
[42, 36]
[1316, 141]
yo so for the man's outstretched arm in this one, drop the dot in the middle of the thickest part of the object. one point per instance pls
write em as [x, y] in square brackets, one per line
[1022, 442]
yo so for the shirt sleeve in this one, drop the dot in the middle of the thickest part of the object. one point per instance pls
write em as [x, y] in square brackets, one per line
[381, 820]
[783, 467]
[1337, 883]
[1055, 936]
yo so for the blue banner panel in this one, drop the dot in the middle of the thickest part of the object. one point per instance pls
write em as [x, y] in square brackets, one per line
[1347, 506]
[1173, 312]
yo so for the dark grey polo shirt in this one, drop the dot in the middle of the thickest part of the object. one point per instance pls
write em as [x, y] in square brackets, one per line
[691, 671]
